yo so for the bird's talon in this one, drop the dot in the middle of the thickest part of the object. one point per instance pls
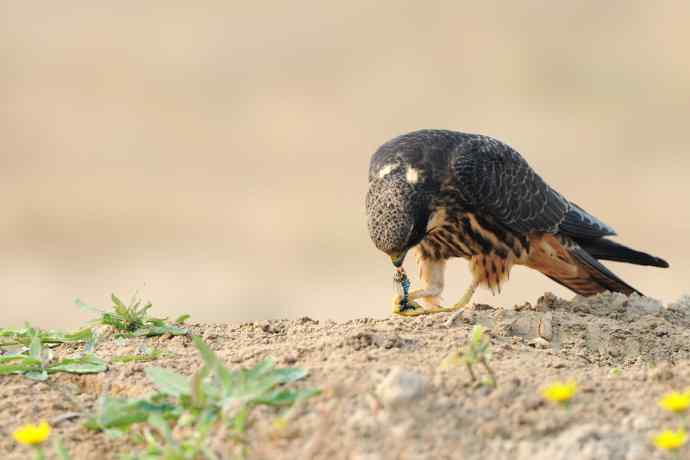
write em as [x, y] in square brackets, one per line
[410, 308]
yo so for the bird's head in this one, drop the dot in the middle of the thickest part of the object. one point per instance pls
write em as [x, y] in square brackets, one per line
[397, 211]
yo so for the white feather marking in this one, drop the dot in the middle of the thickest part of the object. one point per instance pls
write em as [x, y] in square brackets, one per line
[412, 175]
[386, 170]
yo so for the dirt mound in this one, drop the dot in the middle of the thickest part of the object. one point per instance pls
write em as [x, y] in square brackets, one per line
[385, 396]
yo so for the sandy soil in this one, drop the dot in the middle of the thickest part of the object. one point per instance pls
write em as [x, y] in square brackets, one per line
[385, 397]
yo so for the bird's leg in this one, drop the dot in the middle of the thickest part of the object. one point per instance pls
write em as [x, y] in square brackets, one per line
[431, 274]
[414, 309]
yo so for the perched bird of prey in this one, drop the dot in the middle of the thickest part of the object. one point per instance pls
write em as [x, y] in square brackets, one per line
[450, 194]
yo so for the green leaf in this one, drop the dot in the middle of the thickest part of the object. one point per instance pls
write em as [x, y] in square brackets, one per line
[288, 375]
[86, 364]
[142, 312]
[24, 336]
[155, 330]
[82, 335]
[60, 449]
[199, 396]
[477, 335]
[36, 347]
[120, 414]
[209, 357]
[11, 358]
[119, 307]
[17, 369]
[285, 397]
[159, 423]
[38, 375]
[169, 382]
[19, 364]
[215, 366]
[182, 318]
[260, 369]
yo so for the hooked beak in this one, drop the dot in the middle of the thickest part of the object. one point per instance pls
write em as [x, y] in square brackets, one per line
[398, 259]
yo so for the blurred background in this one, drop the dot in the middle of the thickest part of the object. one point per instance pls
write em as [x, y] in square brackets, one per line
[213, 155]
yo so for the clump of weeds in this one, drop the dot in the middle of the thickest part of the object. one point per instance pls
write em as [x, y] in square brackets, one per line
[476, 351]
[133, 320]
[179, 420]
[36, 361]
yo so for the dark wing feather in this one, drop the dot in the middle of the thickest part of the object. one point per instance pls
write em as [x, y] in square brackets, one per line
[495, 179]
[578, 223]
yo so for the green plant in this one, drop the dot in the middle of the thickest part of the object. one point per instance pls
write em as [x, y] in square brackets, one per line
[36, 362]
[12, 337]
[133, 320]
[478, 350]
[215, 399]
[161, 444]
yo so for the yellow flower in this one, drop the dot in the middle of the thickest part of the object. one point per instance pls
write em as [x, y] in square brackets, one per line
[675, 401]
[670, 440]
[32, 435]
[560, 392]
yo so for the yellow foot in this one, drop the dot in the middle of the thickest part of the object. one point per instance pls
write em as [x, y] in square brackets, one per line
[414, 309]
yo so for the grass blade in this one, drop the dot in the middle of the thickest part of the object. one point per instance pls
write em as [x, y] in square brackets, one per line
[168, 382]
[86, 364]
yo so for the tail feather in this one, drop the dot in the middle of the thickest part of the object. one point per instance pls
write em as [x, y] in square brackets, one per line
[563, 260]
[599, 277]
[604, 249]
[573, 262]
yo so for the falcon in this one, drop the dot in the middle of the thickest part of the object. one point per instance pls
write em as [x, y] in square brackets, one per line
[448, 194]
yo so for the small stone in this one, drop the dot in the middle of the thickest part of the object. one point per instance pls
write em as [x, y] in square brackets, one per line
[637, 423]
[682, 304]
[290, 358]
[546, 326]
[533, 403]
[362, 421]
[209, 334]
[468, 316]
[401, 386]
[646, 304]
[662, 373]
[540, 342]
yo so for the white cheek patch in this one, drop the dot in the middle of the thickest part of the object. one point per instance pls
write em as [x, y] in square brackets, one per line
[386, 170]
[412, 175]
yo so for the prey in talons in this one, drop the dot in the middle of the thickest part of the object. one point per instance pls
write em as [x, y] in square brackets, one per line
[404, 304]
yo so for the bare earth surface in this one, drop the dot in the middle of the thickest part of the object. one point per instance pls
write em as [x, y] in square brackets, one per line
[385, 397]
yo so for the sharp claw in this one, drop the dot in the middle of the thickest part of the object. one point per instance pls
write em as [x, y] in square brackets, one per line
[409, 309]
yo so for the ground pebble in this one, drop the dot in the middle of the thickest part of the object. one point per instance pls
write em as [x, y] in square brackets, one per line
[210, 334]
[647, 304]
[401, 386]
[682, 304]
